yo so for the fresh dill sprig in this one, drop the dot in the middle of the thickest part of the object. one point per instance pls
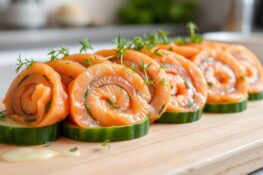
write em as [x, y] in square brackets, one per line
[163, 81]
[163, 37]
[26, 62]
[133, 68]
[192, 28]
[163, 66]
[55, 53]
[156, 52]
[193, 36]
[88, 61]
[85, 46]
[138, 43]
[106, 144]
[147, 80]
[3, 115]
[122, 46]
[112, 104]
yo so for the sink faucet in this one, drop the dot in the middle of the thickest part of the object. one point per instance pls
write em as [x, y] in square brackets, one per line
[240, 16]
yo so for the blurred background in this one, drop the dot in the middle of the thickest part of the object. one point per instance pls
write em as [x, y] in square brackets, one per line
[38, 23]
[32, 27]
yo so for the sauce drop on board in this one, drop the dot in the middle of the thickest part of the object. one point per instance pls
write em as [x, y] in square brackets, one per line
[25, 154]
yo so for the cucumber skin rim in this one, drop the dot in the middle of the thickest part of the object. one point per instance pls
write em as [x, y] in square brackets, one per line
[26, 136]
[226, 107]
[180, 117]
[255, 96]
[112, 134]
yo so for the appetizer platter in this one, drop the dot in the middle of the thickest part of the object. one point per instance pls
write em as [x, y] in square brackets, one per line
[196, 102]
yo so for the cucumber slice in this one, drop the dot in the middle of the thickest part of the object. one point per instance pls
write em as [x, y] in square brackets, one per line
[180, 117]
[255, 96]
[115, 133]
[14, 133]
[225, 107]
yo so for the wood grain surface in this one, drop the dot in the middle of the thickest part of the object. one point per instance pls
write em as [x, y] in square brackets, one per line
[217, 144]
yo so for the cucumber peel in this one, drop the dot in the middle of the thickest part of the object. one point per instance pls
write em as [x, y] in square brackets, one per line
[113, 133]
[255, 96]
[226, 107]
[180, 117]
[14, 133]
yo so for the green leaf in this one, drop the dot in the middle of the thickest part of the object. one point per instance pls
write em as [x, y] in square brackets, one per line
[54, 54]
[85, 46]
[26, 62]
[192, 28]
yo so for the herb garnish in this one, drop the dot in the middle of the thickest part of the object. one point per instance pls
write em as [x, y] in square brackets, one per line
[192, 28]
[112, 104]
[193, 36]
[122, 46]
[3, 115]
[163, 81]
[161, 109]
[144, 68]
[133, 68]
[54, 54]
[106, 143]
[26, 62]
[88, 61]
[74, 149]
[163, 66]
[209, 83]
[30, 120]
[156, 52]
[163, 37]
[85, 46]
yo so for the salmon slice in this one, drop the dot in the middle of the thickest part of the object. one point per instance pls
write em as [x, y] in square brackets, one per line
[108, 94]
[36, 97]
[187, 51]
[86, 59]
[67, 69]
[188, 85]
[225, 78]
[152, 74]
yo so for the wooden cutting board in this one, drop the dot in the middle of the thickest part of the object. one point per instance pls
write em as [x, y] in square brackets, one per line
[217, 144]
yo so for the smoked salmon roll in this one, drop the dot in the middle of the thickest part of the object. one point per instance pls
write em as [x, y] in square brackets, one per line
[107, 101]
[249, 62]
[252, 68]
[188, 87]
[154, 77]
[86, 59]
[227, 85]
[37, 97]
[67, 69]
